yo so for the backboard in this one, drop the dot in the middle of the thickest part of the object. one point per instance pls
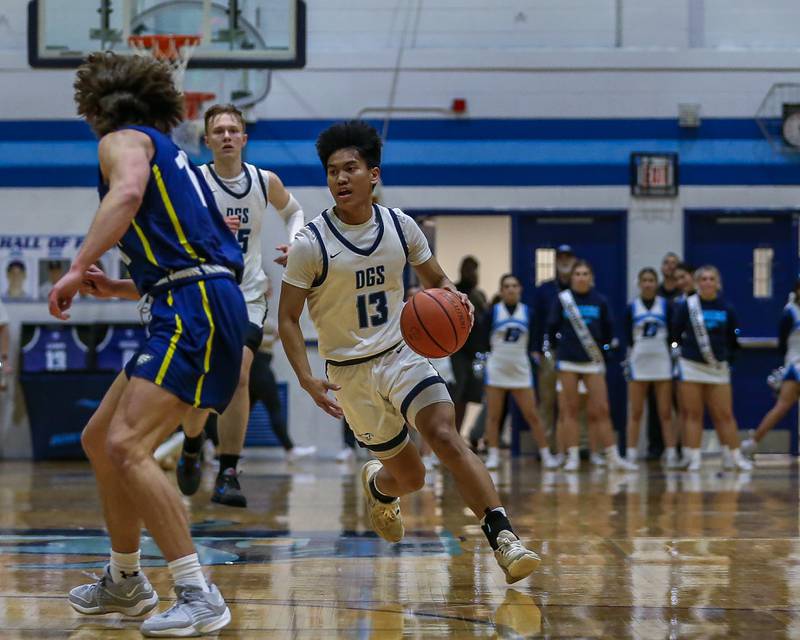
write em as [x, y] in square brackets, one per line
[238, 34]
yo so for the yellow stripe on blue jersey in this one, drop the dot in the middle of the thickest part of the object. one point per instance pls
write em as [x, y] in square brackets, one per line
[207, 362]
[148, 251]
[162, 371]
[176, 224]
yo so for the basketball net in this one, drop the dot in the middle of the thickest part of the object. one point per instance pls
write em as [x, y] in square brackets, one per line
[176, 50]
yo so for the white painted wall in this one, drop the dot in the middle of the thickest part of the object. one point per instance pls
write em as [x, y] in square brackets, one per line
[531, 58]
[487, 238]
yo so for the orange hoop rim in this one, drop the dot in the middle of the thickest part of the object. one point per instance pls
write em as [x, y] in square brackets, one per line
[165, 45]
[193, 101]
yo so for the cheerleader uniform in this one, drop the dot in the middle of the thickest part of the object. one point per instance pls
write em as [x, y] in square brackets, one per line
[789, 341]
[723, 329]
[570, 353]
[648, 336]
[511, 334]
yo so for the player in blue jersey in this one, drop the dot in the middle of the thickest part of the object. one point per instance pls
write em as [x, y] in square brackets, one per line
[182, 257]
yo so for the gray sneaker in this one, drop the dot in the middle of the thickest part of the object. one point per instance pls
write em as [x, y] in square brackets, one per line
[194, 613]
[132, 596]
[514, 559]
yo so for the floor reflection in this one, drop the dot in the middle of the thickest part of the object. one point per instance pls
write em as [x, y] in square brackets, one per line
[647, 555]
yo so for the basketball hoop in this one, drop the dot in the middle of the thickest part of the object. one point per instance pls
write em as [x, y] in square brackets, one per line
[176, 50]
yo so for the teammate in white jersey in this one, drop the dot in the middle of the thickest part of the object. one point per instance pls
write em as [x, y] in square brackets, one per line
[242, 192]
[789, 347]
[511, 338]
[348, 265]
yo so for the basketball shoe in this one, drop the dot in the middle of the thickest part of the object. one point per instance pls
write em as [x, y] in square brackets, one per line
[133, 596]
[228, 491]
[514, 559]
[194, 613]
[384, 517]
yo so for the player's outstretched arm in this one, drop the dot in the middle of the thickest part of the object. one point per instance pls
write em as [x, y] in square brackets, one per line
[432, 276]
[291, 305]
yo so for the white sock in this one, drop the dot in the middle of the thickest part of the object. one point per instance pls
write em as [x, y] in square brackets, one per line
[672, 453]
[546, 453]
[123, 565]
[691, 454]
[187, 571]
[574, 453]
[736, 453]
[494, 451]
[632, 454]
[612, 453]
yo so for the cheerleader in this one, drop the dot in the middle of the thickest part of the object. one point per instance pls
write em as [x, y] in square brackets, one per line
[509, 333]
[579, 329]
[647, 320]
[789, 346]
[706, 329]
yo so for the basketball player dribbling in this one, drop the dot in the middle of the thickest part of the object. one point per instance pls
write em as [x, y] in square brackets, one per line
[182, 256]
[348, 265]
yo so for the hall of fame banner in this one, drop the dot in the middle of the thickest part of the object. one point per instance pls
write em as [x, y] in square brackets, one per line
[31, 264]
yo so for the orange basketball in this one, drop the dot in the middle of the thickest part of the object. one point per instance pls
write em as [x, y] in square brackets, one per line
[435, 323]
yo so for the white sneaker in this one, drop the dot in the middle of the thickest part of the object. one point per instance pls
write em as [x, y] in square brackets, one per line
[618, 463]
[749, 447]
[295, 453]
[345, 455]
[384, 518]
[430, 462]
[727, 459]
[194, 613]
[492, 460]
[572, 464]
[740, 462]
[550, 461]
[597, 460]
[695, 463]
[133, 596]
[514, 559]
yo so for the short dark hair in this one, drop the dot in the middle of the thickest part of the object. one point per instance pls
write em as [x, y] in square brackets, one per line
[15, 263]
[114, 90]
[218, 109]
[580, 262]
[684, 266]
[506, 276]
[354, 134]
[649, 270]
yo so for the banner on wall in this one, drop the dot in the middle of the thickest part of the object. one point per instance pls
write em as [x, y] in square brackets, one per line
[31, 264]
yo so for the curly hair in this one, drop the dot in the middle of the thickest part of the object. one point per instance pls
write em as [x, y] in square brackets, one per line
[355, 134]
[113, 90]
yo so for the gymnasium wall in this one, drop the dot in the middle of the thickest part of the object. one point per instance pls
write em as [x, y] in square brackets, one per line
[576, 61]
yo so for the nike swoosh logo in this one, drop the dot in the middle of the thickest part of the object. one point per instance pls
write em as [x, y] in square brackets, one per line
[333, 256]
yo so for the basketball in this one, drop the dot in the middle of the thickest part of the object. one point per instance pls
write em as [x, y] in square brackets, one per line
[435, 323]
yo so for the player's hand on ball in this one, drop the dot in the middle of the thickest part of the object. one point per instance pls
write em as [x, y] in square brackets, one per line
[318, 390]
[97, 284]
[284, 257]
[233, 223]
[465, 301]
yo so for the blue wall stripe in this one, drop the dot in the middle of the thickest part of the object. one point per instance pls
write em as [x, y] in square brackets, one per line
[70, 162]
[444, 129]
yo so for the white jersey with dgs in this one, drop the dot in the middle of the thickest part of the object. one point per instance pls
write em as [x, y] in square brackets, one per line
[649, 359]
[508, 365]
[250, 207]
[355, 277]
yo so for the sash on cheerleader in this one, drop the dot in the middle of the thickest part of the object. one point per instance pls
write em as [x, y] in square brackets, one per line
[579, 326]
[700, 331]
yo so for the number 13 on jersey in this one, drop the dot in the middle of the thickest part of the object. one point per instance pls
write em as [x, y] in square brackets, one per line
[367, 302]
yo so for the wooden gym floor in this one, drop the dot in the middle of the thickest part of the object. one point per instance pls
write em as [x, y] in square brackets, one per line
[653, 555]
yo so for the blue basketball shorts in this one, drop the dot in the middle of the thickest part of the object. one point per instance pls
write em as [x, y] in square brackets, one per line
[194, 347]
